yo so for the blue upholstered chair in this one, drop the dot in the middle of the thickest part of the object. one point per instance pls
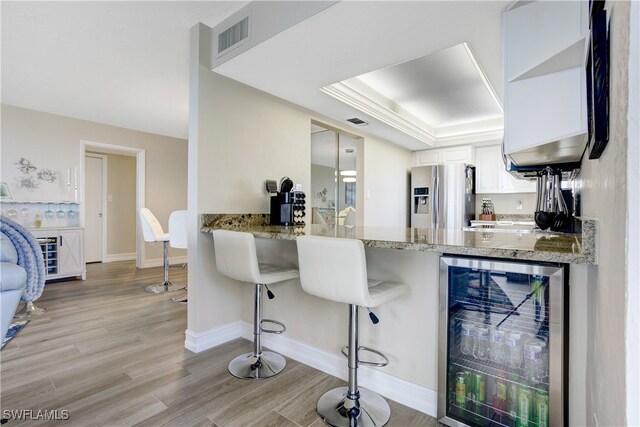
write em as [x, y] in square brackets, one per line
[13, 280]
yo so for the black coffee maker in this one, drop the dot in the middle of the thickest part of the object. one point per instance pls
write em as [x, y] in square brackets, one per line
[287, 207]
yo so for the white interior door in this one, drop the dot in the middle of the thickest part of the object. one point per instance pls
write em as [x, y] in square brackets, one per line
[94, 209]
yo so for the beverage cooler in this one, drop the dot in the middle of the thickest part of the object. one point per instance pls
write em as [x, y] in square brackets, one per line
[502, 348]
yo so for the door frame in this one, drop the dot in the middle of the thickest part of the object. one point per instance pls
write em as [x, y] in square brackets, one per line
[103, 231]
[139, 154]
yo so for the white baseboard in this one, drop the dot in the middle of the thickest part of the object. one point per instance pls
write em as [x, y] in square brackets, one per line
[412, 395]
[159, 262]
[201, 341]
[120, 257]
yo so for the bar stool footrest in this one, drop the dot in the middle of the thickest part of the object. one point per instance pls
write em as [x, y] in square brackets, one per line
[273, 331]
[345, 352]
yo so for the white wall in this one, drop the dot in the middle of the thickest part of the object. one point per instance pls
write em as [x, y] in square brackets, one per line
[53, 142]
[603, 184]
[386, 190]
[508, 203]
[238, 137]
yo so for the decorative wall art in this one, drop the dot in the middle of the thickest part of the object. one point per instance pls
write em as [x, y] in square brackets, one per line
[27, 182]
[47, 175]
[25, 166]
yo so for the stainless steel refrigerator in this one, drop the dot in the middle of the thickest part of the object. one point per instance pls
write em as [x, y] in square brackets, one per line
[502, 349]
[442, 196]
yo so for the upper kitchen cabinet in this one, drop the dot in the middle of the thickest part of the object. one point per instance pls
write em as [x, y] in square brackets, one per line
[491, 176]
[545, 46]
[439, 156]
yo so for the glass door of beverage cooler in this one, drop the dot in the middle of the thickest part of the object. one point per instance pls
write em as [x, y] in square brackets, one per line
[501, 350]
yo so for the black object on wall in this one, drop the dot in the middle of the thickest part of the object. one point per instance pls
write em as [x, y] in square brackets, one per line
[598, 81]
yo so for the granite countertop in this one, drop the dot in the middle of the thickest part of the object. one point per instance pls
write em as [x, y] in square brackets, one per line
[565, 248]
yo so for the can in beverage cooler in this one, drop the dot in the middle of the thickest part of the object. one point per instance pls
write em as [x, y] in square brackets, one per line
[500, 398]
[471, 392]
[461, 389]
[541, 409]
[479, 384]
[512, 400]
[525, 406]
[537, 289]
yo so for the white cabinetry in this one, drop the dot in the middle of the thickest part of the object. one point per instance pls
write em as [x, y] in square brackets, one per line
[63, 250]
[440, 156]
[492, 177]
[545, 81]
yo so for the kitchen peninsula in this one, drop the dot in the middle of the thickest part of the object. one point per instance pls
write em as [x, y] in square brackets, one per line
[544, 246]
[408, 328]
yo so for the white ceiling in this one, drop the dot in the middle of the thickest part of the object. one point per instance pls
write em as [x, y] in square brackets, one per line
[323, 148]
[119, 63]
[352, 38]
[126, 63]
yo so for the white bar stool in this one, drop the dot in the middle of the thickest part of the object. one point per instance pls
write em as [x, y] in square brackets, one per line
[152, 232]
[237, 259]
[178, 239]
[336, 269]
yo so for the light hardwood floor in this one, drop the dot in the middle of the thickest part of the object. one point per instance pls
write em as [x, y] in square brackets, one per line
[111, 354]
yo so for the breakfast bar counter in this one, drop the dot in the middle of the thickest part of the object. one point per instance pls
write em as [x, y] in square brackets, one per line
[566, 248]
[408, 329]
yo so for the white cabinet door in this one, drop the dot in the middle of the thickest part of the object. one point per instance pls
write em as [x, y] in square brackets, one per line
[460, 154]
[492, 177]
[545, 45]
[439, 156]
[71, 252]
[487, 177]
[427, 157]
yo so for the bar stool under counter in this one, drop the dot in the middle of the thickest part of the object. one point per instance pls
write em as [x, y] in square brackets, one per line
[335, 269]
[236, 258]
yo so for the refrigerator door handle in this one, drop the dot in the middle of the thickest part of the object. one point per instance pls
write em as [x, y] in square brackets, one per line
[436, 198]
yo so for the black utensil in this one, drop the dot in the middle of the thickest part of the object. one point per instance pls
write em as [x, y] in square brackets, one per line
[545, 220]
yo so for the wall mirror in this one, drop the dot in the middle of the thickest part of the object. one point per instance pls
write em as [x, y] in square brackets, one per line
[334, 178]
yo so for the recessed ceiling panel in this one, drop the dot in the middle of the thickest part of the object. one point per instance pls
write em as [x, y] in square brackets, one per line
[435, 98]
[441, 89]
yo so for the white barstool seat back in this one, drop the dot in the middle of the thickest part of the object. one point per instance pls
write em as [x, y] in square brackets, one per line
[151, 229]
[178, 229]
[236, 258]
[336, 269]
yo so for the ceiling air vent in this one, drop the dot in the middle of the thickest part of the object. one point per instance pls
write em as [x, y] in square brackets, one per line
[356, 121]
[233, 35]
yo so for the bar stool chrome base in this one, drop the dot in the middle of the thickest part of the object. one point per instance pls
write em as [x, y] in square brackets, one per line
[249, 367]
[369, 410]
[164, 288]
[29, 309]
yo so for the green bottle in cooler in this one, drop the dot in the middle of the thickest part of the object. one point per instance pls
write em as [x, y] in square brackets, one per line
[479, 384]
[525, 407]
[512, 400]
[471, 392]
[541, 408]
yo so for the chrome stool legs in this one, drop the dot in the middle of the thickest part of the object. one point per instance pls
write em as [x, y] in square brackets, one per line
[29, 309]
[166, 286]
[258, 364]
[352, 406]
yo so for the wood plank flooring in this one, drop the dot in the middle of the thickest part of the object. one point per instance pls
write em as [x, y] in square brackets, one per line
[110, 353]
